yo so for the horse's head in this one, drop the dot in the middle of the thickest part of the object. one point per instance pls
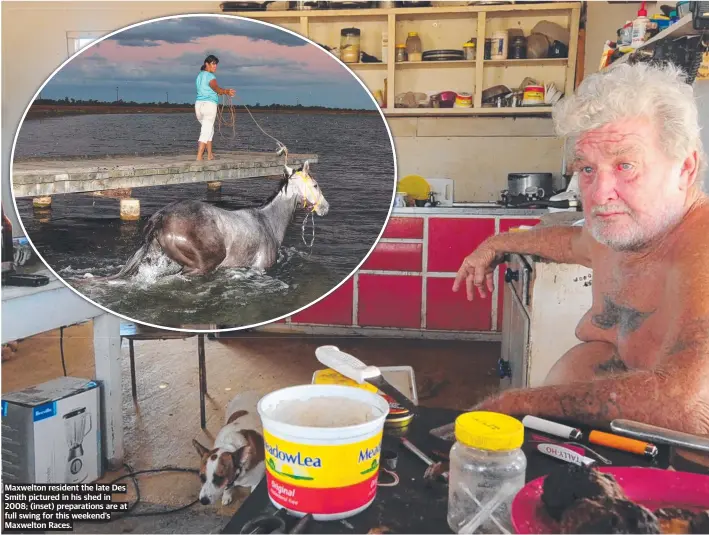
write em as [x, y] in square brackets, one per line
[307, 189]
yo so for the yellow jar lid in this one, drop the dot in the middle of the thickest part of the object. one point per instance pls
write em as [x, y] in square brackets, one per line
[489, 431]
[400, 46]
[413, 34]
[468, 45]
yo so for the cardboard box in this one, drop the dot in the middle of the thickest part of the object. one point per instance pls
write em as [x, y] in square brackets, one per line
[51, 433]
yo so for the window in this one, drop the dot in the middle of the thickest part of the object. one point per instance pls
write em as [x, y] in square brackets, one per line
[79, 40]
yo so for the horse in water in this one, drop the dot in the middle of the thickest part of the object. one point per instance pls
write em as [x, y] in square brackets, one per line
[202, 238]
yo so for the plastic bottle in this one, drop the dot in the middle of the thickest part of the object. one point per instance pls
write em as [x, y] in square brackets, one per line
[640, 27]
[487, 469]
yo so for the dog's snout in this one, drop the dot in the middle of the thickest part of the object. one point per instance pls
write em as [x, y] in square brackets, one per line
[204, 500]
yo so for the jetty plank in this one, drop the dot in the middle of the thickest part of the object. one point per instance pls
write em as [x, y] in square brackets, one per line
[36, 178]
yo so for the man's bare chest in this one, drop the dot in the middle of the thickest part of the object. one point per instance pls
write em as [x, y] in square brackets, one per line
[631, 311]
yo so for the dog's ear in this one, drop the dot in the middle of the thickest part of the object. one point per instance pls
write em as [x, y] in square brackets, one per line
[200, 449]
[306, 167]
[252, 453]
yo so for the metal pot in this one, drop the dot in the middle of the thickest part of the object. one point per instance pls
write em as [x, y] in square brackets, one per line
[541, 184]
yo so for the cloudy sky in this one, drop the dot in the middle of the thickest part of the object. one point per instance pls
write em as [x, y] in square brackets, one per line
[264, 65]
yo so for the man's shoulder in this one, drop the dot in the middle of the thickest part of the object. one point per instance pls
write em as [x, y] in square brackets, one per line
[691, 240]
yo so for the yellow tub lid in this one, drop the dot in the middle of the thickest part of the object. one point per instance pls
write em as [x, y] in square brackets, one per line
[331, 377]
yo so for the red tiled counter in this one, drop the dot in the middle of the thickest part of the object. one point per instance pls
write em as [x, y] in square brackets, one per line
[405, 285]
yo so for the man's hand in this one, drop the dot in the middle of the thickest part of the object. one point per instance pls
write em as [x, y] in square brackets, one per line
[231, 92]
[477, 270]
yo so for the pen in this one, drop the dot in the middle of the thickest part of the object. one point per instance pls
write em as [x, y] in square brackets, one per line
[622, 443]
[553, 428]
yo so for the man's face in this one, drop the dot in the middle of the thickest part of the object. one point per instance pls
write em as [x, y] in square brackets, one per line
[631, 190]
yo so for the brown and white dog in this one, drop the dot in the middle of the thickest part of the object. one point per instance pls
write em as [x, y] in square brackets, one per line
[237, 458]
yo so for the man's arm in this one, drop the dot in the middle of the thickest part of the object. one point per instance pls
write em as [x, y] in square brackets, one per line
[674, 395]
[561, 244]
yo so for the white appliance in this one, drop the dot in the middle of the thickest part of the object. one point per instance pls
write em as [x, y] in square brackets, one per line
[51, 433]
[543, 304]
[443, 189]
[75, 427]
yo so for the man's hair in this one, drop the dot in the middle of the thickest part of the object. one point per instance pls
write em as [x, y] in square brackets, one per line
[659, 93]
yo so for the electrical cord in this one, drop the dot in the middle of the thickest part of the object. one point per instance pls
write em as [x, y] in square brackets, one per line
[132, 476]
[61, 348]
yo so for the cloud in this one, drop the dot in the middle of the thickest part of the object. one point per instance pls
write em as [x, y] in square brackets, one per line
[191, 29]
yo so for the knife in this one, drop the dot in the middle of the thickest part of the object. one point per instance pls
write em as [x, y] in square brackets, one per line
[353, 368]
[660, 435]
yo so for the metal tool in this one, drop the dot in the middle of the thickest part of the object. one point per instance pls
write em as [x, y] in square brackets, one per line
[421, 455]
[353, 368]
[425, 458]
[660, 435]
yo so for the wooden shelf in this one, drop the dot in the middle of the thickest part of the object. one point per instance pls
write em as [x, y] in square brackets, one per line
[367, 66]
[448, 63]
[681, 28]
[324, 25]
[537, 110]
[383, 12]
[527, 62]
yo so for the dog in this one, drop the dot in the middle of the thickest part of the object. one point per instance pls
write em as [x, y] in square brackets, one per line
[237, 458]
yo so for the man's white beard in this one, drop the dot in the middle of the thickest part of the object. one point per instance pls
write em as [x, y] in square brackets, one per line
[636, 235]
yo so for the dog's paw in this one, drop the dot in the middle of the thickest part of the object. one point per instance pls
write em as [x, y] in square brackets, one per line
[227, 498]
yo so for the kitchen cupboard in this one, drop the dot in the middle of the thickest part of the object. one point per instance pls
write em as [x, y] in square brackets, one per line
[405, 287]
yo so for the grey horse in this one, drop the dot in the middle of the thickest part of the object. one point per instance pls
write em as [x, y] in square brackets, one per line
[202, 238]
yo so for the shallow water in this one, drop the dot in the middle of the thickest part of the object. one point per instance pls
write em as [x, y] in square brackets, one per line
[84, 234]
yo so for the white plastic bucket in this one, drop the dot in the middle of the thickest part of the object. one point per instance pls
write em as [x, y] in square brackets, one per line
[329, 472]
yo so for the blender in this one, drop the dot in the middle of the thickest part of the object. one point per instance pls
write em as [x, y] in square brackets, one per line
[75, 428]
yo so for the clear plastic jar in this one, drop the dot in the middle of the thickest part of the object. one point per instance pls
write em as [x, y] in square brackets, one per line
[487, 470]
[414, 50]
[349, 45]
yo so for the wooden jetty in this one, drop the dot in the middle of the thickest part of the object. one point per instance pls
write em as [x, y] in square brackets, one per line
[35, 178]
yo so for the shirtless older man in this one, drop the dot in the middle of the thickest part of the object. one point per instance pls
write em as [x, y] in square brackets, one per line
[644, 351]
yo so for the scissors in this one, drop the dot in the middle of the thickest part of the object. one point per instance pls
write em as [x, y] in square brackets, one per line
[274, 523]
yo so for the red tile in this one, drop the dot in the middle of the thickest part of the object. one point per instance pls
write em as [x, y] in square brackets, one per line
[451, 311]
[390, 256]
[389, 301]
[450, 240]
[404, 227]
[335, 309]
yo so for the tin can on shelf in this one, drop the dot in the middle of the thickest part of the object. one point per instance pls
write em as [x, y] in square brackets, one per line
[499, 45]
[518, 48]
[533, 95]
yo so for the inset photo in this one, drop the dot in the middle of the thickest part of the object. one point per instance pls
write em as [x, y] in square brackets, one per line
[203, 170]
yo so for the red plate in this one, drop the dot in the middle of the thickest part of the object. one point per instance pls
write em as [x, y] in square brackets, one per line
[651, 487]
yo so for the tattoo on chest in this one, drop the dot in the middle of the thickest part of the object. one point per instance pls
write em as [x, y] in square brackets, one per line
[613, 365]
[627, 319]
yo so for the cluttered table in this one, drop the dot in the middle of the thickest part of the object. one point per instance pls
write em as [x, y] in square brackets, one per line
[418, 505]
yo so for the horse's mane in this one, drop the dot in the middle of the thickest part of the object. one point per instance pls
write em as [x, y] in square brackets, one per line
[282, 186]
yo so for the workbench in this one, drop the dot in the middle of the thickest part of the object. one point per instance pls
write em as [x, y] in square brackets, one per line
[415, 506]
[29, 311]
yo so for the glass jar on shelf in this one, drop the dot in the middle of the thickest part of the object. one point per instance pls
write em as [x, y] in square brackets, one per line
[414, 50]
[401, 53]
[469, 50]
[349, 45]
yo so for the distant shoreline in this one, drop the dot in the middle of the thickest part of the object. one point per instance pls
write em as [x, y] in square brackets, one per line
[45, 111]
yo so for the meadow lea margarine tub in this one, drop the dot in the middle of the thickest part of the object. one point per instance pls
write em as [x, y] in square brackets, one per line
[323, 445]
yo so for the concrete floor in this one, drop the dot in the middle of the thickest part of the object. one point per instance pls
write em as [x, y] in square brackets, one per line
[160, 429]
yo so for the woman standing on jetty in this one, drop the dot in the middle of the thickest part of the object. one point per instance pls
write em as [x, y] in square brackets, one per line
[208, 92]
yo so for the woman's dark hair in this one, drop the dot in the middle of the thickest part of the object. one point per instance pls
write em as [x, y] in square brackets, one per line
[209, 59]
